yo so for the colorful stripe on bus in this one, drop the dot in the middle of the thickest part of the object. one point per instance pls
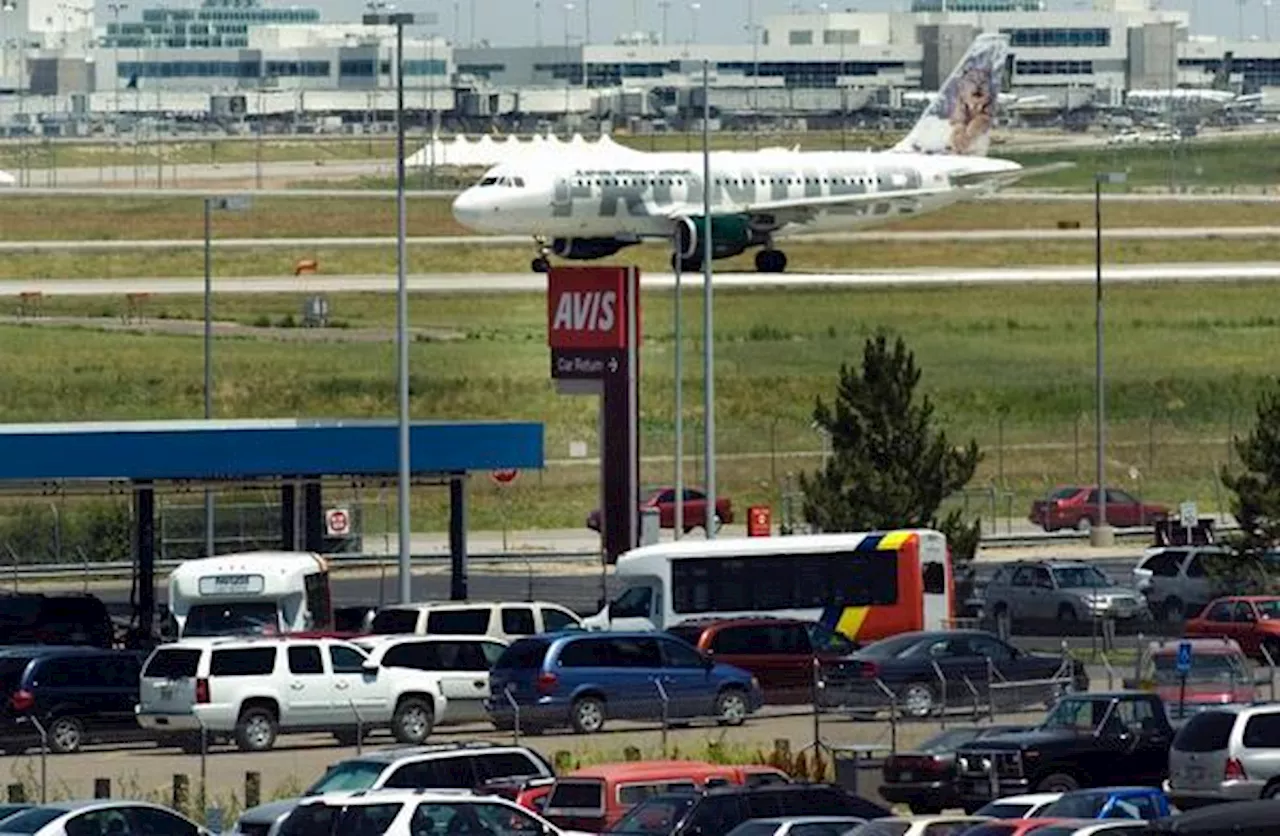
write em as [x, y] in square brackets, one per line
[868, 623]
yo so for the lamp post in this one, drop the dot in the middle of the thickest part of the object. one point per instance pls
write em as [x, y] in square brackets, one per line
[212, 204]
[381, 16]
[1101, 533]
[710, 518]
[568, 77]
[694, 8]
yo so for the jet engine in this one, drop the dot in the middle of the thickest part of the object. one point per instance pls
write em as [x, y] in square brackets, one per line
[585, 249]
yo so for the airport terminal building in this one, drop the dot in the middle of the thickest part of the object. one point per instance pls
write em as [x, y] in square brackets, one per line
[246, 62]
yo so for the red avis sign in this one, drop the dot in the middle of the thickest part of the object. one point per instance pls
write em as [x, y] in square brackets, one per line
[585, 307]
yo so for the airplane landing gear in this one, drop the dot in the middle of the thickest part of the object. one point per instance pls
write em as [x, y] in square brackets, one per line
[686, 265]
[771, 261]
[541, 264]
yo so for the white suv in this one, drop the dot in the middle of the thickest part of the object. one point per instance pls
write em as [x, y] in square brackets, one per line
[460, 663]
[507, 621]
[454, 766]
[255, 688]
[401, 813]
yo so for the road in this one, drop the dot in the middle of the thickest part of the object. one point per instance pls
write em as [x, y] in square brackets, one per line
[532, 282]
[298, 760]
[931, 236]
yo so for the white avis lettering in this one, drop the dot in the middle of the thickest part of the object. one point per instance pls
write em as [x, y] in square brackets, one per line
[592, 310]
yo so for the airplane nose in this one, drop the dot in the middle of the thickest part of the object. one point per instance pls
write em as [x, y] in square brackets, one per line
[468, 209]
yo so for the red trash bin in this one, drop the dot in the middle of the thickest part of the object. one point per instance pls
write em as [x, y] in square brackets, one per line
[759, 521]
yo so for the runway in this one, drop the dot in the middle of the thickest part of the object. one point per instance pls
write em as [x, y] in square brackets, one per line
[531, 282]
[887, 237]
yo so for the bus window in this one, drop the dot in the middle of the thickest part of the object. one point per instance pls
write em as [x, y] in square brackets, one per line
[230, 619]
[935, 578]
[319, 601]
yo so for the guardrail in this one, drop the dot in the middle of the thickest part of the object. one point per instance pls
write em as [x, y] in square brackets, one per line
[123, 569]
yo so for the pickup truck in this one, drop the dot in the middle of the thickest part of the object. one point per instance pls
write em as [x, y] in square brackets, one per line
[1086, 740]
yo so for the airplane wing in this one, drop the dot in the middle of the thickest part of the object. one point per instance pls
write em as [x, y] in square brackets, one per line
[1005, 178]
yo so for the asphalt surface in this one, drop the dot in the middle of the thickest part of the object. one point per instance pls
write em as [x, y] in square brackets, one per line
[532, 282]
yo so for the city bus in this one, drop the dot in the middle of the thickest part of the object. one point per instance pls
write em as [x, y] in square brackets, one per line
[866, 585]
[254, 592]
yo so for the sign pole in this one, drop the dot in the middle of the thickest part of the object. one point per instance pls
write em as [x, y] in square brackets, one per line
[679, 406]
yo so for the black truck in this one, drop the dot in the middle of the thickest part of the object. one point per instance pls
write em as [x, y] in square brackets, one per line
[1086, 740]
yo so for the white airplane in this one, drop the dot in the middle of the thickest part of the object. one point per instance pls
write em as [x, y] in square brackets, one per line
[590, 207]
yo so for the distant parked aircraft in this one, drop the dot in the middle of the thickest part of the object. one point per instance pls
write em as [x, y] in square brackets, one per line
[7, 179]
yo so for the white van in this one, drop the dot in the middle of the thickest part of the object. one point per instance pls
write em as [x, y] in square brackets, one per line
[506, 621]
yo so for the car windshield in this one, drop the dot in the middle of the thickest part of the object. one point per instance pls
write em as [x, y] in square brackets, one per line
[1004, 810]
[348, 775]
[394, 621]
[890, 648]
[1081, 806]
[1205, 667]
[1064, 493]
[881, 827]
[1079, 577]
[948, 741]
[1076, 715]
[655, 816]
[258, 617]
[1268, 609]
[32, 820]
[332, 820]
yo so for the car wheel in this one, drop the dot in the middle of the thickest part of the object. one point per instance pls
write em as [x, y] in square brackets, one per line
[731, 707]
[66, 735]
[1084, 525]
[1058, 782]
[412, 721]
[1173, 612]
[1272, 647]
[1066, 612]
[1271, 790]
[256, 729]
[917, 699]
[587, 715]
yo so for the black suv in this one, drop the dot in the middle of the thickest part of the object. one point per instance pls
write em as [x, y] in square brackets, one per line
[717, 811]
[79, 694]
[55, 619]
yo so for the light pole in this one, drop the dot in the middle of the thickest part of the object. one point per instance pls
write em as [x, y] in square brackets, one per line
[399, 20]
[116, 9]
[665, 5]
[710, 517]
[568, 78]
[1100, 534]
[212, 204]
[694, 8]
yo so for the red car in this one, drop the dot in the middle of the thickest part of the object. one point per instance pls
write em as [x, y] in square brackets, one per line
[1076, 506]
[1219, 674]
[1253, 621]
[664, 499]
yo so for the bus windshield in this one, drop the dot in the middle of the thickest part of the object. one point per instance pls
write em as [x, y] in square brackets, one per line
[258, 617]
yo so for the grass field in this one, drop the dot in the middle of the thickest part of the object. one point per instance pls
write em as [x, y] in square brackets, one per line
[1012, 367]
[126, 218]
[471, 258]
[1223, 162]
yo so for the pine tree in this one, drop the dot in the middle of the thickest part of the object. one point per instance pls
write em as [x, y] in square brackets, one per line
[1256, 503]
[889, 467]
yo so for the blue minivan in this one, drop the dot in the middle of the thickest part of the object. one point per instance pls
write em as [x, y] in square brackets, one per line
[581, 679]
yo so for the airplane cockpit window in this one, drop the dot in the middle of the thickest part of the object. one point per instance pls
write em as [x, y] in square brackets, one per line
[519, 181]
[489, 181]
